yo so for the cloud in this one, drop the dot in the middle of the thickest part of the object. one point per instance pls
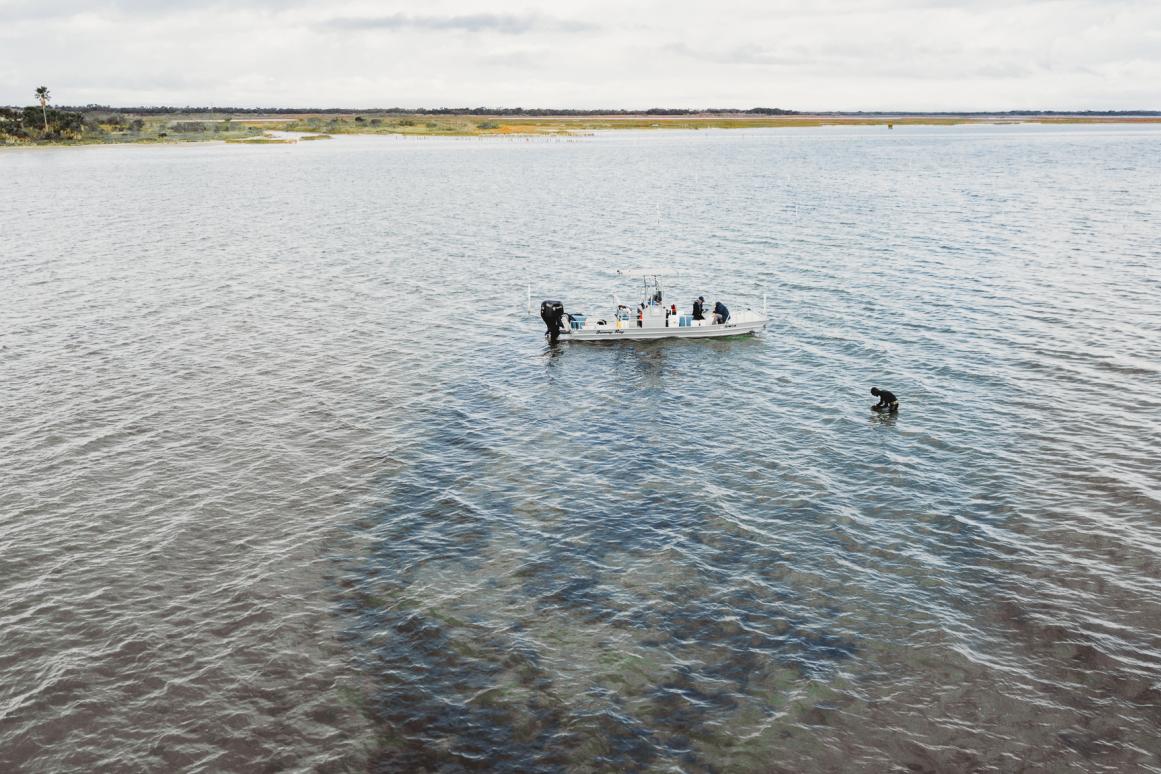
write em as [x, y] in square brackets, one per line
[510, 24]
[15, 10]
[736, 55]
[804, 54]
[842, 62]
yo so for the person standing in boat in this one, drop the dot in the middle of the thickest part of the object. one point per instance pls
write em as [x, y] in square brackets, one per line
[699, 308]
[721, 313]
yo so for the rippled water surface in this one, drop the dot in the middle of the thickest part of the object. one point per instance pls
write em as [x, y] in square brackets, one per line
[290, 480]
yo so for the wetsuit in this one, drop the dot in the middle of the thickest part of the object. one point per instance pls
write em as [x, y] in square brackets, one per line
[721, 310]
[887, 400]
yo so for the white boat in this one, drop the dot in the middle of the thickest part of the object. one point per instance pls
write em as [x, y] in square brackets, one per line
[652, 318]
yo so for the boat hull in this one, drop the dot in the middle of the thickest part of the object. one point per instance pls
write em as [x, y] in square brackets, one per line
[630, 332]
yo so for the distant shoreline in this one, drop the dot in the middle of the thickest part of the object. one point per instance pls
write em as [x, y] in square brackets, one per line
[96, 125]
[492, 112]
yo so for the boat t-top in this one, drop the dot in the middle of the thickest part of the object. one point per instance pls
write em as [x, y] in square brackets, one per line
[652, 318]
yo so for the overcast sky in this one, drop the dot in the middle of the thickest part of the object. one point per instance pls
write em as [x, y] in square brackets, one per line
[807, 55]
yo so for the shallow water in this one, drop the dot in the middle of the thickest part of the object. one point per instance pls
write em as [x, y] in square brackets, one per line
[290, 479]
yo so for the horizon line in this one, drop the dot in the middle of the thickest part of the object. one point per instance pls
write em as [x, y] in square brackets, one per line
[656, 111]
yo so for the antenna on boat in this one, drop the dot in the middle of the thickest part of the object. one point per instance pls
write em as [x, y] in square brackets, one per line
[530, 298]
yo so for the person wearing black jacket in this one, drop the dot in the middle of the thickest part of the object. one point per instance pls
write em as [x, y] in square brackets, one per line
[699, 308]
[721, 313]
[887, 400]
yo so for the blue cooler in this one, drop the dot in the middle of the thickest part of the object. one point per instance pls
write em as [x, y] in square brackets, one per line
[685, 321]
[578, 321]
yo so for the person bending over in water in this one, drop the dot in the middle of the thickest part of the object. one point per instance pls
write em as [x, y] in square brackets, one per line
[887, 400]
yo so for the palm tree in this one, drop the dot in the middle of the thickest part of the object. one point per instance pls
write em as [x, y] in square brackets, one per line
[43, 96]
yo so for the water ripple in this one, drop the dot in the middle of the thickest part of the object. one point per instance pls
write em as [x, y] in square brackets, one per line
[292, 482]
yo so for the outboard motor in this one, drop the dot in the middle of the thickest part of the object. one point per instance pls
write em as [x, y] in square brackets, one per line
[552, 312]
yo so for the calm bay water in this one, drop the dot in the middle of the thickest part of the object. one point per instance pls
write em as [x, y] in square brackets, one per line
[290, 480]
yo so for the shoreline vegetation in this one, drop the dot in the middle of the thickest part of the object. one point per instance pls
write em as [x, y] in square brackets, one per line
[95, 124]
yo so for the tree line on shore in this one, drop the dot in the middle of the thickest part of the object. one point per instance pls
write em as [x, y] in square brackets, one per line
[102, 123]
[164, 110]
[34, 123]
[444, 111]
[40, 122]
[46, 123]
